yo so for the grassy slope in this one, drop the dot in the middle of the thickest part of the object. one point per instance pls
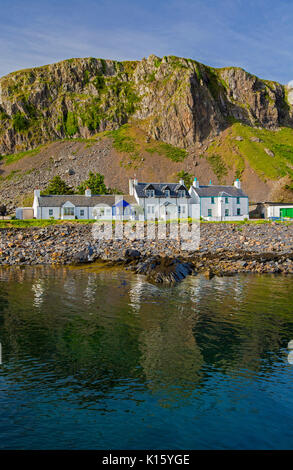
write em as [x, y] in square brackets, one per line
[237, 155]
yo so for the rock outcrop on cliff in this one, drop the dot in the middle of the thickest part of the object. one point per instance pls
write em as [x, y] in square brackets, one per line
[175, 100]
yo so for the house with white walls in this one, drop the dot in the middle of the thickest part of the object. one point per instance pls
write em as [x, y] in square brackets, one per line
[150, 201]
[164, 201]
[87, 206]
[227, 203]
[147, 201]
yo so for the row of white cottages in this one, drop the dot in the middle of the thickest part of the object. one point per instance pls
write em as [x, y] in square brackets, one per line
[146, 201]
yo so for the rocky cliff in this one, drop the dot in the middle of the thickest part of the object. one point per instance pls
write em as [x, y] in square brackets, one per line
[179, 101]
[229, 122]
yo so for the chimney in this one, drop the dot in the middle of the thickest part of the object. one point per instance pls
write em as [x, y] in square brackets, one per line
[237, 184]
[132, 183]
[37, 193]
[195, 183]
[181, 182]
[210, 183]
[88, 192]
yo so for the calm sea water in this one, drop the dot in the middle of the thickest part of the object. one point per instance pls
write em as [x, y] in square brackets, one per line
[103, 359]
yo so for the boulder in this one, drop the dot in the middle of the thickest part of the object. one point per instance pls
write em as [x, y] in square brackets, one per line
[269, 152]
[164, 269]
[132, 254]
[81, 257]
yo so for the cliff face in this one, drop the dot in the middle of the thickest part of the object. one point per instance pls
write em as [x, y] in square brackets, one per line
[175, 100]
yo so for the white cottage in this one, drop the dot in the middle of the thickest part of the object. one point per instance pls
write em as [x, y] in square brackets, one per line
[87, 206]
[218, 202]
[151, 201]
[164, 201]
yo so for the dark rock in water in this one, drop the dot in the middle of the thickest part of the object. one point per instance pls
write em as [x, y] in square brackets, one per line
[132, 254]
[81, 257]
[164, 269]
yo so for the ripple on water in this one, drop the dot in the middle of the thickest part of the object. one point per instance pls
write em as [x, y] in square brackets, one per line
[104, 359]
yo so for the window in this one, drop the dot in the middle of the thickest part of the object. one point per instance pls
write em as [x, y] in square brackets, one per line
[212, 200]
[182, 210]
[210, 213]
[238, 200]
[167, 192]
[81, 212]
[181, 193]
[226, 200]
[50, 212]
[238, 212]
[150, 193]
[226, 212]
[68, 210]
[151, 209]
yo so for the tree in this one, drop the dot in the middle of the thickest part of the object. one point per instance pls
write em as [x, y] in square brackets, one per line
[58, 186]
[3, 211]
[186, 177]
[95, 183]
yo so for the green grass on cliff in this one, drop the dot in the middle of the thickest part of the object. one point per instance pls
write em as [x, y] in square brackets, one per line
[239, 154]
[14, 157]
[131, 140]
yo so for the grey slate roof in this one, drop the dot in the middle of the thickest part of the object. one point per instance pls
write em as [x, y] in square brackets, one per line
[217, 191]
[159, 189]
[276, 203]
[82, 201]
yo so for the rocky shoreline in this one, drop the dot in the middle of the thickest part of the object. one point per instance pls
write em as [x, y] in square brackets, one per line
[225, 249]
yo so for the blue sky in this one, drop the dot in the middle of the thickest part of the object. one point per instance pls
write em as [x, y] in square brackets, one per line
[254, 34]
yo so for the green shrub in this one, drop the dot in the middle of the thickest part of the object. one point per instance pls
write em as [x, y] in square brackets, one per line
[20, 122]
[174, 153]
[186, 177]
[218, 166]
[58, 186]
[71, 124]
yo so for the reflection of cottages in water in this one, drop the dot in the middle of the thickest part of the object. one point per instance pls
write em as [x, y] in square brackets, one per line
[136, 292]
[171, 358]
[90, 289]
[38, 289]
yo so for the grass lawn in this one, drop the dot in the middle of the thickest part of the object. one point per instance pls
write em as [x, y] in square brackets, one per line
[40, 223]
[46, 223]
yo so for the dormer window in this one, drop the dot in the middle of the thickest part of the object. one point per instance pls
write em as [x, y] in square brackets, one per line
[167, 192]
[181, 193]
[150, 193]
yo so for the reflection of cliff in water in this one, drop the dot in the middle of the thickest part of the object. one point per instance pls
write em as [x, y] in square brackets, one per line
[242, 320]
[95, 330]
[171, 359]
[68, 322]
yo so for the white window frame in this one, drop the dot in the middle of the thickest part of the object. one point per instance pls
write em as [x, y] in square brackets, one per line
[68, 211]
